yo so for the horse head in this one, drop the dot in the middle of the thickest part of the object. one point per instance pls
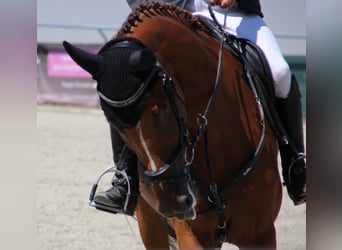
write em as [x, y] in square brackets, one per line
[147, 109]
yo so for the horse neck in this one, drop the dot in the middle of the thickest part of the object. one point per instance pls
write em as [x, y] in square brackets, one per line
[190, 58]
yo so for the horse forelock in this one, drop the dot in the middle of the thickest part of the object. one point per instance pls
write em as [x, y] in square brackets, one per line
[153, 9]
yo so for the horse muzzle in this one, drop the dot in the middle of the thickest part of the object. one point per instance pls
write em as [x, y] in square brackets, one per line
[171, 184]
[187, 205]
[181, 208]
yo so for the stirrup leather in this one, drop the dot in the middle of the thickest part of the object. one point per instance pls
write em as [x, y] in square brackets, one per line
[103, 207]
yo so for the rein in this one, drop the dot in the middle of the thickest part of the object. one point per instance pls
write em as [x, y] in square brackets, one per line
[247, 167]
[222, 226]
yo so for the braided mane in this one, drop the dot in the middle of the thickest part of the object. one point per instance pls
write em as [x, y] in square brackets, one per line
[150, 9]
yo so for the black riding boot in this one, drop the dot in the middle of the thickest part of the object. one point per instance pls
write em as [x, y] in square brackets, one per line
[292, 154]
[125, 187]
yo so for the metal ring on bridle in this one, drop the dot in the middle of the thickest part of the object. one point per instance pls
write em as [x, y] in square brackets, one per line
[202, 120]
[188, 161]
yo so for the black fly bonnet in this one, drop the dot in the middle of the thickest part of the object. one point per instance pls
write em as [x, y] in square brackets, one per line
[128, 69]
[123, 69]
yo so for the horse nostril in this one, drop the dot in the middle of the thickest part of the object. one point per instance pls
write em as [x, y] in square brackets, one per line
[187, 200]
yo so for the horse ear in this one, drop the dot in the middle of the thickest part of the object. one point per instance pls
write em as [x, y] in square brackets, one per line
[89, 62]
[142, 61]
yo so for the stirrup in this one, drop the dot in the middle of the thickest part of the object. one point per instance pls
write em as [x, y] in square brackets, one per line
[105, 208]
[296, 198]
[300, 156]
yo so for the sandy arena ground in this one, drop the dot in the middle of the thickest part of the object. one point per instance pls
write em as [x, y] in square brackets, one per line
[73, 149]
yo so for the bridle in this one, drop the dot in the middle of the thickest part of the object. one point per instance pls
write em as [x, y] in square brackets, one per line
[184, 148]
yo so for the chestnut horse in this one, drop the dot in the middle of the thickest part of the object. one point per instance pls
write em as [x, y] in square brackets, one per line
[207, 155]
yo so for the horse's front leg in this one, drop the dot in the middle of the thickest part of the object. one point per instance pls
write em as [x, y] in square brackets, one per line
[152, 226]
[185, 237]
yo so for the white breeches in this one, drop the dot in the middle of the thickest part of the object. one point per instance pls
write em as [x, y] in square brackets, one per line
[253, 28]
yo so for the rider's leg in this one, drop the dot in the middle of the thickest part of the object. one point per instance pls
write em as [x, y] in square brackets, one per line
[288, 106]
[292, 155]
[125, 161]
[253, 28]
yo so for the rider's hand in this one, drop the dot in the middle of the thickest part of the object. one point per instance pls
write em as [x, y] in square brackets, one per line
[223, 3]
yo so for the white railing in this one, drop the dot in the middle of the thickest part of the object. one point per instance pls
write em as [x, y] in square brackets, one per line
[101, 29]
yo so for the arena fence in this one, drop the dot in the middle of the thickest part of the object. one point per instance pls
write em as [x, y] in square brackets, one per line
[60, 80]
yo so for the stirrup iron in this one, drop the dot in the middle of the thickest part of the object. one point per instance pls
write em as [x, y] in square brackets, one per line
[105, 208]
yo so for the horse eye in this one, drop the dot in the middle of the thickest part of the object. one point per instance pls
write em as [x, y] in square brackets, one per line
[160, 110]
